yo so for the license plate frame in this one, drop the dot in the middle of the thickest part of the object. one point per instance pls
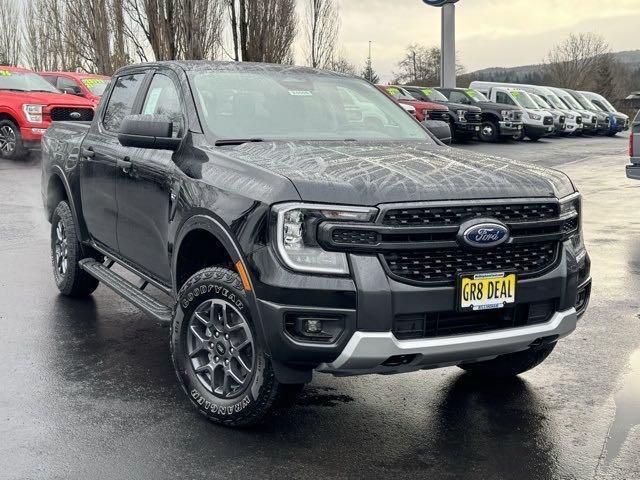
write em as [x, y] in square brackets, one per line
[475, 276]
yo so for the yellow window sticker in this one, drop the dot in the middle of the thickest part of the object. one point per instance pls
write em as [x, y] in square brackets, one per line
[471, 92]
[92, 82]
[515, 95]
[427, 91]
[5, 73]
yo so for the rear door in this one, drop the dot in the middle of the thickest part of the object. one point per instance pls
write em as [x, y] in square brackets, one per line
[144, 189]
[99, 157]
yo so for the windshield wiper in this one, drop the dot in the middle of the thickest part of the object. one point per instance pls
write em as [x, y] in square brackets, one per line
[14, 89]
[237, 141]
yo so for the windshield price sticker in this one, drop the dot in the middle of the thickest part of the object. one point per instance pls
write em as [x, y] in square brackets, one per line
[470, 92]
[300, 93]
[5, 73]
[92, 82]
[515, 94]
[427, 91]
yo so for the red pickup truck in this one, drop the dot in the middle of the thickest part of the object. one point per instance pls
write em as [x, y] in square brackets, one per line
[424, 110]
[85, 85]
[28, 105]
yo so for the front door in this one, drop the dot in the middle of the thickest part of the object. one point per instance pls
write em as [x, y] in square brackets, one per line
[145, 187]
[99, 154]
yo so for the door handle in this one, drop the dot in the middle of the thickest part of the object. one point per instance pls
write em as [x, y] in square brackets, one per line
[88, 152]
[125, 164]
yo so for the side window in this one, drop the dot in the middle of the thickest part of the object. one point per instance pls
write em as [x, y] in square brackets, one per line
[163, 99]
[600, 105]
[121, 101]
[458, 97]
[502, 97]
[52, 80]
[64, 82]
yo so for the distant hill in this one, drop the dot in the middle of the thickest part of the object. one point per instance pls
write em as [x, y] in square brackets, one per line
[530, 73]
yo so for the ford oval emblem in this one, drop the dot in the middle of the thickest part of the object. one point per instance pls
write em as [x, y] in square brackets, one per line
[483, 234]
[75, 115]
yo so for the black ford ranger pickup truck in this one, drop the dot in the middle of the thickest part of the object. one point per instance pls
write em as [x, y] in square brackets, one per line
[280, 234]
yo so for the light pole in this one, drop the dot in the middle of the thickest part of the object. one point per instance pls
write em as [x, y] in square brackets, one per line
[448, 41]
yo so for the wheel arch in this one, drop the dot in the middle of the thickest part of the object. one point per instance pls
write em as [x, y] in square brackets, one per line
[7, 114]
[490, 116]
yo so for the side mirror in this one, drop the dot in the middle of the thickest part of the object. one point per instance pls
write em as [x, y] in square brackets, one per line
[72, 90]
[148, 131]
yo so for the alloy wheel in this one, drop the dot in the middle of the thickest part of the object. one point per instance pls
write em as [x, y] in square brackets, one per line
[61, 249]
[7, 139]
[221, 348]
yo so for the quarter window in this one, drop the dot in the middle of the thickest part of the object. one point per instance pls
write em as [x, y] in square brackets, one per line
[121, 101]
[163, 99]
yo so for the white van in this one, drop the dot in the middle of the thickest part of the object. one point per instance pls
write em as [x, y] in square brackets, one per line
[589, 119]
[537, 123]
[619, 121]
[572, 118]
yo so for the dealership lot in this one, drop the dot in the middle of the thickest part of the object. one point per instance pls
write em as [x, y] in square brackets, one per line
[88, 389]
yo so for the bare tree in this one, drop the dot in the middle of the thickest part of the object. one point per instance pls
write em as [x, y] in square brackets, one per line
[340, 64]
[574, 62]
[10, 40]
[421, 66]
[265, 29]
[321, 27]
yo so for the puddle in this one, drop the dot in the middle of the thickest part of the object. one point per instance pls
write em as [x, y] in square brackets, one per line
[627, 410]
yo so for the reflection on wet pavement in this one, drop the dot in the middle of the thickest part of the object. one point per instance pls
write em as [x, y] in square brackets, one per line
[627, 410]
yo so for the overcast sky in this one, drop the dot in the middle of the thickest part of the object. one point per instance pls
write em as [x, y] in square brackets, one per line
[490, 33]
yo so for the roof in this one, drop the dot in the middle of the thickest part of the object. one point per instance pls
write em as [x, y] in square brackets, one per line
[14, 69]
[211, 65]
[76, 74]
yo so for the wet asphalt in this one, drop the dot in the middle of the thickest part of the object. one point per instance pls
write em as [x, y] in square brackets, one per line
[87, 389]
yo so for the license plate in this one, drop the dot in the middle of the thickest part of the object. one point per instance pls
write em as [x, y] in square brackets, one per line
[486, 291]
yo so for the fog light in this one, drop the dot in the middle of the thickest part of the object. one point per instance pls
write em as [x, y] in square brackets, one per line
[312, 326]
[324, 329]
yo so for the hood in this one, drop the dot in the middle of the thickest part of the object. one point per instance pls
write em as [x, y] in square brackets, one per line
[420, 105]
[493, 105]
[460, 106]
[46, 98]
[374, 173]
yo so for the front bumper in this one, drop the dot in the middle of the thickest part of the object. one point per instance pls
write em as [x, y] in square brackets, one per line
[32, 135]
[510, 128]
[369, 301]
[633, 171]
[538, 130]
[469, 128]
[367, 351]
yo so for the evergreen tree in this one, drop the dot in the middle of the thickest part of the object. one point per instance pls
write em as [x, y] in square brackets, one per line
[369, 73]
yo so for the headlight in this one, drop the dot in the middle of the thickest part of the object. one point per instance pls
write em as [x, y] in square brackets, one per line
[461, 114]
[571, 211]
[33, 113]
[535, 116]
[506, 114]
[295, 235]
[425, 112]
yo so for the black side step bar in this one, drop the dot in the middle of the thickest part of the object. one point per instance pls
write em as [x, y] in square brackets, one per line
[126, 289]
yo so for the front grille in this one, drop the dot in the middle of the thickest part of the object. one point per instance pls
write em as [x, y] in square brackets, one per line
[548, 121]
[451, 215]
[65, 114]
[474, 117]
[439, 115]
[444, 264]
[354, 237]
[441, 324]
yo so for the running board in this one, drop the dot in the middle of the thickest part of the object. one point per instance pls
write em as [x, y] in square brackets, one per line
[126, 289]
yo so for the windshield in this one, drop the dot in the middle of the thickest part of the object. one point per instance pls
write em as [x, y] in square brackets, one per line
[24, 82]
[606, 104]
[586, 104]
[476, 96]
[287, 105]
[96, 85]
[433, 95]
[399, 93]
[569, 100]
[539, 101]
[523, 99]
[554, 100]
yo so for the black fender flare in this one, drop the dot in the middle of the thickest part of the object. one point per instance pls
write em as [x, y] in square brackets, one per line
[57, 171]
[215, 226]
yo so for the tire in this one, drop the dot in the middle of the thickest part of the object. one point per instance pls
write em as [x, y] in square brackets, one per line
[534, 138]
[511, 364]
[489, 131]
[228, 383]
[519, 136]
[11, 145]
[66, 252]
